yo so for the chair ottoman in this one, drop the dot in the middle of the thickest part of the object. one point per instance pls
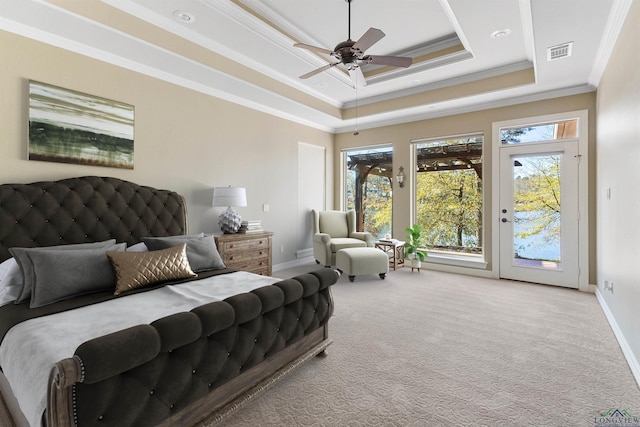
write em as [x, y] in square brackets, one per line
[356, 261]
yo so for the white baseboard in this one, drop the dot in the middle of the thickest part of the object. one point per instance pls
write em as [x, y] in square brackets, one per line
[294, 263]
[622, 341]
[304, 253]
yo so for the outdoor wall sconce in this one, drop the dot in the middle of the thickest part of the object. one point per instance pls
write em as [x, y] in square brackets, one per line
[400, 177]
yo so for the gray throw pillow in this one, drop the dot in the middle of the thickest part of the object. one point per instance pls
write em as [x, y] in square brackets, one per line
[201, 250]
[27, 279]
[60, 275]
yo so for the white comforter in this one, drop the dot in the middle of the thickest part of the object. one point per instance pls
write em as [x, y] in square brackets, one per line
[31, 348]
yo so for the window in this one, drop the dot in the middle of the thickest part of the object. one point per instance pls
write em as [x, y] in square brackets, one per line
[566, 129]
[368, 180]
[448, 194]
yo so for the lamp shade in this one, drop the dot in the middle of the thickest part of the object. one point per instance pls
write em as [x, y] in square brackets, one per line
[229, 196]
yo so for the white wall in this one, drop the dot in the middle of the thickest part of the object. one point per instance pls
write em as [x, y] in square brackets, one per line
[618, 158]
[312, 187]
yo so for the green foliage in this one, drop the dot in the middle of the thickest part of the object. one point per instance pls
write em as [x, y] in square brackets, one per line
[376, 202]
[513, 135]
[414, 243]
[537, 198]
[377, 205]
[449, 207]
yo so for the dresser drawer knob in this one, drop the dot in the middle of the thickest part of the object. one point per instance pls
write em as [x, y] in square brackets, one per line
[230, 258]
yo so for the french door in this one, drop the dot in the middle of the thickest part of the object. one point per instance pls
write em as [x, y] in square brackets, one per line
[539, 213]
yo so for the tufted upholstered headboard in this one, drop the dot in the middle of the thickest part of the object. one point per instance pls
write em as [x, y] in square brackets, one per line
[86, 209]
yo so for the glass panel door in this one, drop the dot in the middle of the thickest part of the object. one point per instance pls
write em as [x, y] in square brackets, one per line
[539, 213]
[537, 237]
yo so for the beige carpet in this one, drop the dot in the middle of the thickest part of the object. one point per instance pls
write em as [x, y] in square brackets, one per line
[437, 349]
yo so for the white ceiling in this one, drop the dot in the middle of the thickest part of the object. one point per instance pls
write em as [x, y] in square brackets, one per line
[457, 66]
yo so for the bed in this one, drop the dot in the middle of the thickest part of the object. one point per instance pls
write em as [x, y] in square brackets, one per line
[180, 339]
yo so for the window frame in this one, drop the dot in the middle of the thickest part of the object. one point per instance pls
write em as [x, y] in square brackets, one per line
[451, 259]
[343, 171]
[583, 185]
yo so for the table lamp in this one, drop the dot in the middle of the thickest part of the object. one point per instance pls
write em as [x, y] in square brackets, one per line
[229, 221]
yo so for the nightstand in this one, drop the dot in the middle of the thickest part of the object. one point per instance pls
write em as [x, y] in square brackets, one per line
[246, 251]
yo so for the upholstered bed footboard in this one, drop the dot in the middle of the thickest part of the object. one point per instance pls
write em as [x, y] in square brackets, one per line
[183, 367]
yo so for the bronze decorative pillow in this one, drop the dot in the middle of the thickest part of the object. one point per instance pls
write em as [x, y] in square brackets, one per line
[135, 270]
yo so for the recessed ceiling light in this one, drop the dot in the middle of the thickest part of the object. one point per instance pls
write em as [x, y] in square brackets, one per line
[321, 85]
[415, 82]
[498, 34]
[183, 16]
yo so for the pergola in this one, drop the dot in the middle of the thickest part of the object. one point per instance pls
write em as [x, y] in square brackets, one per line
[429, 159]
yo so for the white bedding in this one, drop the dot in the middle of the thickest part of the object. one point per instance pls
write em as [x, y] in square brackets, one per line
[31, 348]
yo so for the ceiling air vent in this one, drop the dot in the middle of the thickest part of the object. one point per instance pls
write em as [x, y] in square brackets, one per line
[560, 51]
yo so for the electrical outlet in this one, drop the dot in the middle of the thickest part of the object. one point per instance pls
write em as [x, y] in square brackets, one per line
[608, 285]
[281, 249]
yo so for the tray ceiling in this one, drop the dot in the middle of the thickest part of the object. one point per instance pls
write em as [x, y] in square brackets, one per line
[242, 50]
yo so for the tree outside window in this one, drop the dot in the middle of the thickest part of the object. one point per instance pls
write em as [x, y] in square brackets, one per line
[449, 193]
[368, 189]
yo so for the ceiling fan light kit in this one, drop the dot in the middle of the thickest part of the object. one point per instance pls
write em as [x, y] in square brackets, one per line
[352, 54]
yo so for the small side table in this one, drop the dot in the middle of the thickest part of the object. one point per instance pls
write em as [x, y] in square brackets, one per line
[395, 250]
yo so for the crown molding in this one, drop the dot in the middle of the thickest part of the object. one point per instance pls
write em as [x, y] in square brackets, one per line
[424, 112]
[619, 12]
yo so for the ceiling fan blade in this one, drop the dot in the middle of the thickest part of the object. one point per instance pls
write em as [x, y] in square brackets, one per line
[318, 70]
[368, 39]
[313, 48]
[394, 61]
[357, 77]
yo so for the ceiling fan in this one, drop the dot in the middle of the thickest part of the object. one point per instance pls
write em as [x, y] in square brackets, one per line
[352, 54]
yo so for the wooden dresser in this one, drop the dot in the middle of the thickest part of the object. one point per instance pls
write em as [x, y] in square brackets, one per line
[248, 252]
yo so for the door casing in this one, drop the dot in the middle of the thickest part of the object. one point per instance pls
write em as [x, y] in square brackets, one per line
[583, 188]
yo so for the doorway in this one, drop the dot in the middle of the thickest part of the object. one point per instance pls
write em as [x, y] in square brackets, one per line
[539, 213]
[541, 203]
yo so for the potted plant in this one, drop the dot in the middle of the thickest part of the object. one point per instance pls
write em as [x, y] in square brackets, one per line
[413, 245]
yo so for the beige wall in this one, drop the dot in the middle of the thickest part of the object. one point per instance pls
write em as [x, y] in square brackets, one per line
[402, 135]
[618, 153]
[184, 140]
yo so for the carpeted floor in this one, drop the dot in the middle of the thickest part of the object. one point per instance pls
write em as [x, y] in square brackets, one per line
[437, 349]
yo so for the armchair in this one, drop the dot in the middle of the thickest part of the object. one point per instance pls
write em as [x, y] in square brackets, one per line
[335, 230]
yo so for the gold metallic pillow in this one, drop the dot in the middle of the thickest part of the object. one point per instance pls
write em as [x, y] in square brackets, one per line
[135, 270]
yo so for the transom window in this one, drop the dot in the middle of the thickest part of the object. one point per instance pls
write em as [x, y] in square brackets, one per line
[566, 129]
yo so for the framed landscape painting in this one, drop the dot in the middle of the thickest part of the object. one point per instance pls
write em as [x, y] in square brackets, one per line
[72, 127]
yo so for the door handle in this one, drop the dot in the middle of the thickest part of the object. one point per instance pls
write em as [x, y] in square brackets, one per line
[505, 220]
